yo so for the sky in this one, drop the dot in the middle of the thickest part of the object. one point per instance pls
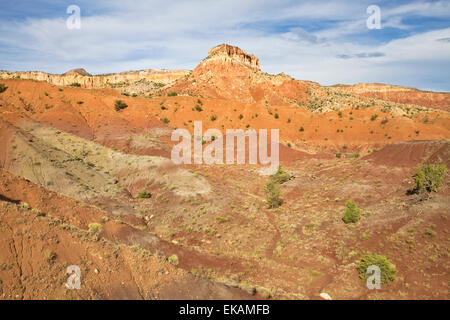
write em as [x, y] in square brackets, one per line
[324, 41]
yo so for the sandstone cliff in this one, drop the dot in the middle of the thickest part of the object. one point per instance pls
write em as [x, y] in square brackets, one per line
[131, 81]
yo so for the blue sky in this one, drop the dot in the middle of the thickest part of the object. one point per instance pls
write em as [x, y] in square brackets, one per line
[323, 41]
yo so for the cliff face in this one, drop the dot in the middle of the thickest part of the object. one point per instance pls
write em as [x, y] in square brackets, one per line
[225, 52]
[114, 80]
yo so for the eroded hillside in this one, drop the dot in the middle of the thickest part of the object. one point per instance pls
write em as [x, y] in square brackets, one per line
[69, 159]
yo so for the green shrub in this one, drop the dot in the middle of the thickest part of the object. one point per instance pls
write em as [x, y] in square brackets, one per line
[354, 155]
[50, 256]
[429, 177]
[273, 193]
[281, 176]
[223, 219]
[165, 120]
[172, 94]
[119, 105]
[198, 108]
[387, 269]
[373, 117]
[3, 87]
[276, 116]
[352, 213]
[338, 155]
[301, 129]
[213, 117]
[95, 227]
[144, 194]
[173, 259]
[75, 84]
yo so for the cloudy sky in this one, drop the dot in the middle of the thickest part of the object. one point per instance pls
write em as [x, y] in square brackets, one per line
[324, 41]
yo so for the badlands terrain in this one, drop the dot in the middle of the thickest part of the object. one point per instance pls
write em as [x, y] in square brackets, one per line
[88, 181]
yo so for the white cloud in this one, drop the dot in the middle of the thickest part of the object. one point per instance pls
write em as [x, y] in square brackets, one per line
[177, 34]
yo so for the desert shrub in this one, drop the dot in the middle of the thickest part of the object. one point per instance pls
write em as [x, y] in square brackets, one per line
[354, 155]
[387, 269]
[173, 259]
[301, 129]
[223, 219]
[273, 194]
[144, 194]
[272, 188]
[276, 116]
[338, 155]
[198, 108]
[429, 177]
[281, 176]
[352, 213]
[3, 87]
[95, 227]
[75, 84]
[213, 117]
[241, 116]
[119, 105]
[340, 114]
[172, 94]
[165, 120]
[374, 117]
[49, 256]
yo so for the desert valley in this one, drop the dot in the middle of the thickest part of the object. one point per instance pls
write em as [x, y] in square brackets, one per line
[86, 179]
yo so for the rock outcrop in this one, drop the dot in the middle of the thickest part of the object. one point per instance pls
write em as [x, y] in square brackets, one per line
[226, 52]
[155, 77]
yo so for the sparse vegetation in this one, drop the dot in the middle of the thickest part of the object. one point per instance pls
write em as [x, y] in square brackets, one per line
[95, 227]
[281, 176]
[173, 259]
[273, 193]
[144, 194]
[172, 94]
[49, 256]
[272, 188]
[165, 120]
[388, 270]
[352, 213]
[75, 84]
[119, 105]
[3, 87]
